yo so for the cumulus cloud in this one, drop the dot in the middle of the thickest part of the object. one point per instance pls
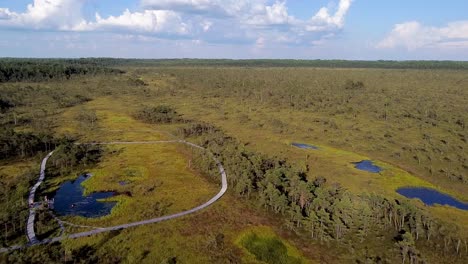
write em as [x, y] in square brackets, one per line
[287, 29]
[149, 21]
[66, 15]
[266, 20]
[240, 21]
[254, 12]
[275, 14]
[45, 14]
[323, 20]
[413, 35]
[5, 13]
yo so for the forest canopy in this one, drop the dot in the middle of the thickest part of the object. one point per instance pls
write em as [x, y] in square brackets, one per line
[17, 70]
[101, 65]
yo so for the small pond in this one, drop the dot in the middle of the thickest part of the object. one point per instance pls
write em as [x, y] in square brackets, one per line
[367, 165]
[304, 146]
[430, 197]
[69, 200]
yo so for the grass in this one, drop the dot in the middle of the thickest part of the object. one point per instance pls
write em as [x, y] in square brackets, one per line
[149, 244]
[159, 183]
[113, 120]
[343, 138]
[189, 239]
[314, 101]
[11, 170]
[158, 176]
[332, 163]
[261, 245]
[266, 114]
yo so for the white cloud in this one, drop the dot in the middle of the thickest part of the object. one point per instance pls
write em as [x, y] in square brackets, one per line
[240, 21]
[148, 21]
[254, 12]
[65, 15]
[413, 35]
[287, 29]
[5, 13]
[276, 14]
[268, 20]
[45, 14]
[323, 20]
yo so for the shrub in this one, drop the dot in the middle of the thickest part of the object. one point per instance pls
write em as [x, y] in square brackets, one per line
[197, 129]
[5, 104]
[352, 85]
[159, 114]
[269, 250]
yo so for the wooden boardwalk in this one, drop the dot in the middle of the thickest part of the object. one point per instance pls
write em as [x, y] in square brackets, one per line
[30, 227]
[32, 208]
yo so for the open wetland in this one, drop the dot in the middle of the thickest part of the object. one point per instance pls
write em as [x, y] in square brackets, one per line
[322, 165]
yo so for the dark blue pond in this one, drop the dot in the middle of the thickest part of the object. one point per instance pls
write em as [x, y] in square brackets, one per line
[69, 200]
[431, 197]
[367, 165]
[304, 146]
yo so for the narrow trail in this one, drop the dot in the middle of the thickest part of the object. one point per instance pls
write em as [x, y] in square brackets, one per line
[33, 240]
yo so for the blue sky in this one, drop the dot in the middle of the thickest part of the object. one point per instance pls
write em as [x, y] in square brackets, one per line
[300, 29]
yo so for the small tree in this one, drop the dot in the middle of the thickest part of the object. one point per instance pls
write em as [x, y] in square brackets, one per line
[406, 244]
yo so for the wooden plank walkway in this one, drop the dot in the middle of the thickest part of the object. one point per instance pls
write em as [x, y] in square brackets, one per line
[30, 227]
[32, 208]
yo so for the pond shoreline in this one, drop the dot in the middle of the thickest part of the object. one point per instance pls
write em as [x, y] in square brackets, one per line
[431, 197]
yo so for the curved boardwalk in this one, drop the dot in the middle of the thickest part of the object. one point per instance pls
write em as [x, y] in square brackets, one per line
[30, 228]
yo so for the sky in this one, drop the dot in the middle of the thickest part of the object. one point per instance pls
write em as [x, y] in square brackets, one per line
[236, 29]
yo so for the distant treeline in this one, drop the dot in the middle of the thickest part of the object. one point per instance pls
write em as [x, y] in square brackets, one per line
[37, 70]
[100, 63]
[455, 65]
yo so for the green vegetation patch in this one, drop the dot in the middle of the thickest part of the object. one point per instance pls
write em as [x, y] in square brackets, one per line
[161, 114]
[265, 246]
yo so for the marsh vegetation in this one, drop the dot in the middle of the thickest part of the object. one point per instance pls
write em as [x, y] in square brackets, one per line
[409, 122]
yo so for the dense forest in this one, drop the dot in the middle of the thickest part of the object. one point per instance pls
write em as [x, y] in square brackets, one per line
[24, 144]
[101, 65]
[299, 63]
[17, 70]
